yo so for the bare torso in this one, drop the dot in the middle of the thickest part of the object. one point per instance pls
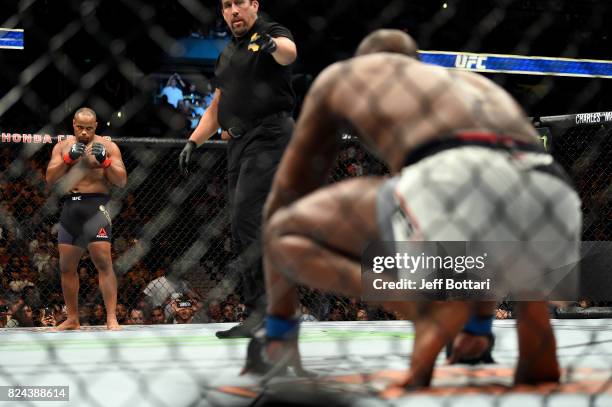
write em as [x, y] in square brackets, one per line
[421, 103]
[89, 176]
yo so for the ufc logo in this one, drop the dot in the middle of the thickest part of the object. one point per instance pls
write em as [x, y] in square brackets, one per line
[76, 198]
[470, 62]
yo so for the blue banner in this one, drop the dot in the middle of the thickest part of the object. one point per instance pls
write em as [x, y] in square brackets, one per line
[11, 39]
[519, 64]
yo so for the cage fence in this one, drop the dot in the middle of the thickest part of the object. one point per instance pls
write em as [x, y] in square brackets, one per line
[171, 233]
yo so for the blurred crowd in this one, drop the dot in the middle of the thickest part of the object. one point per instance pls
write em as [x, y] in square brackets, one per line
[30, 286]
[181, 104]
[149, 291]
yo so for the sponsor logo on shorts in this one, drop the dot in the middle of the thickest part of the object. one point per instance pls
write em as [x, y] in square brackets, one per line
[76, 198]
[106, 214]
[102, 234]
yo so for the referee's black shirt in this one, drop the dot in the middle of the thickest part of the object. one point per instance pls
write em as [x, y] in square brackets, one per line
[253, 85]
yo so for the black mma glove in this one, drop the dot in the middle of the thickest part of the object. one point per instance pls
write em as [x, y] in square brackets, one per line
[185, 156]
[99, 151]
[76, 151]
[265, 43]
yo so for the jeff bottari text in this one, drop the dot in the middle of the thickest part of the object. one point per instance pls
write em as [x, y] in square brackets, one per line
[410, 264]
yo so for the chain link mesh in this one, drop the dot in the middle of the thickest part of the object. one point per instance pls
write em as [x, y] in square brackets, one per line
[172, 235]
[161, 217]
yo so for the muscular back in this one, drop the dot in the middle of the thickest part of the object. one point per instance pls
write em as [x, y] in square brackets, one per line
[397, 103]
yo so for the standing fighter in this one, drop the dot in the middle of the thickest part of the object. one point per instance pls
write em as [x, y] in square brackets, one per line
[467, 166]
[84, 167]
[253, 104]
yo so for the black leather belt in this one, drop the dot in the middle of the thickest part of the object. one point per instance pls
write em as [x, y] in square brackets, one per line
[488, 140]
[241, 130]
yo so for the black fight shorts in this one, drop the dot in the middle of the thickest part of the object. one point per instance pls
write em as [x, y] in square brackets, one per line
[84, 219]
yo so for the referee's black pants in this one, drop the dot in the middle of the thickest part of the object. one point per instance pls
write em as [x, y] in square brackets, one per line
[252, 163]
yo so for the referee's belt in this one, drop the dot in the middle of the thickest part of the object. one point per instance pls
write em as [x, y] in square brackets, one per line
[241, 129]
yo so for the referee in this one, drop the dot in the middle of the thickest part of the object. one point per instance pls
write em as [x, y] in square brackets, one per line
[253, 103]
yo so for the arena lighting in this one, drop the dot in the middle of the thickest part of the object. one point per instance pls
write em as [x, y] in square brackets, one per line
[11, 38]
[518, 64]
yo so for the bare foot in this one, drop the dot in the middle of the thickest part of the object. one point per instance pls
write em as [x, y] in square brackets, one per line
[397, 387]
[68, 325]
[113, 325]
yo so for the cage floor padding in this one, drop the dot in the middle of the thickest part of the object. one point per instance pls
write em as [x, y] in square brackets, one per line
[186, 365]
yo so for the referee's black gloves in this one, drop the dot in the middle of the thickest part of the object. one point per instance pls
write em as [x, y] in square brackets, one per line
[185, 156]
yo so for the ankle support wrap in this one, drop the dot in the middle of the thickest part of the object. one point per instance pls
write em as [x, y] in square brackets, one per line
[282, 329]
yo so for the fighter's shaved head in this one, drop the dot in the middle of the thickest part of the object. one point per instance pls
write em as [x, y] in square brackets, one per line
[85, 111]
[386, 40]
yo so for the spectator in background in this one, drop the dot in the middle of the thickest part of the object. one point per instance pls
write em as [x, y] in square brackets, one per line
[133, 283]
[196, 31]
[184, 108]
[46, 317]
[228, 313]
[210, 94]
[214, 312]
[306, 315]
[59, 313]
[219, 31]
[157, 316]
[35, 243]
[41, 256]
[85, 315]
[4, 257]
[49, 275]
[142, 305]
[4, 311]
[162, 286]
[193, 94]
[172, 91]
[136, 317]
[362, 314]
[198, 108]
[98, 316]
[31, 295]
[121, 313]
[350, 309]
[83, 275]
[25, 316]
[19, 280]
[183, 311]
[337, 312]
